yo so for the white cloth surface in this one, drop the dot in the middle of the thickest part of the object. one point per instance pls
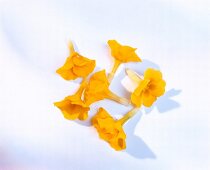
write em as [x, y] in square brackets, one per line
[172, 35]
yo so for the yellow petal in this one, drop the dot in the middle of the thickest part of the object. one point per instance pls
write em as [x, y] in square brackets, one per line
[66, 107]
[149, 89]
[148, 99]
[83, 116]
[101, 114]
[136, 100]
[83, 71]
[68, 63]
[152, 74]
[62, 104]
[128, 54]
[136, 96]
[97, 88]
[76, 66]
[114, 45]
[157, 88]
[79, 60]
[109, 129]
[66, 74]
[123, 53]
[69, 116]
[66, 70]
[118, 143]
[105, 123]
[100, 76]
[72, 107]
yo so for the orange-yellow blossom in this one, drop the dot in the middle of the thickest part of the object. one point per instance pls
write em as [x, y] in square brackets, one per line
[151, 87]
[76, 66]
[121, 54]
[73, 106]
[109, 129]
[98, 89]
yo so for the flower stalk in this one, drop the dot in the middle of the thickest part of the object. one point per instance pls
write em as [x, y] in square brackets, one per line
[133, 75]
[116, 98]
[121, 54]
[114, 69]
[128, 115]
[71, 47]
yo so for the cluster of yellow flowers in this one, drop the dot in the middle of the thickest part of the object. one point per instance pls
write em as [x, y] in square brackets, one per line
[96, 88]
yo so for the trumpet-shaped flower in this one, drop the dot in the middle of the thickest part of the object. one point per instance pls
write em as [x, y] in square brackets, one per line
[151, 87]
[98, 89]
[73, 107]
[122, 54]
[109, 129]
[76, 66]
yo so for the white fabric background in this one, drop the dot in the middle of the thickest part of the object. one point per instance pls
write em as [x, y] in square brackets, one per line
[172, 35]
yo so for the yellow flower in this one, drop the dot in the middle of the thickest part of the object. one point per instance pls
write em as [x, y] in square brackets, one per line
[98, 89]
[151, 87]
[122, 54]
[76, 66]
[109, 129]
[73, 107]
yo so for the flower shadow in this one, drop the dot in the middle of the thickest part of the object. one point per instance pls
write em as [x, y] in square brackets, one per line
[165, 103]
[136, 147]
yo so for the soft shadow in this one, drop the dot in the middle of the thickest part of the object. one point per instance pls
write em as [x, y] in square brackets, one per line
[136, 147]
[142, 66]
[117, 87]
[165, 103]
[95, 106]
